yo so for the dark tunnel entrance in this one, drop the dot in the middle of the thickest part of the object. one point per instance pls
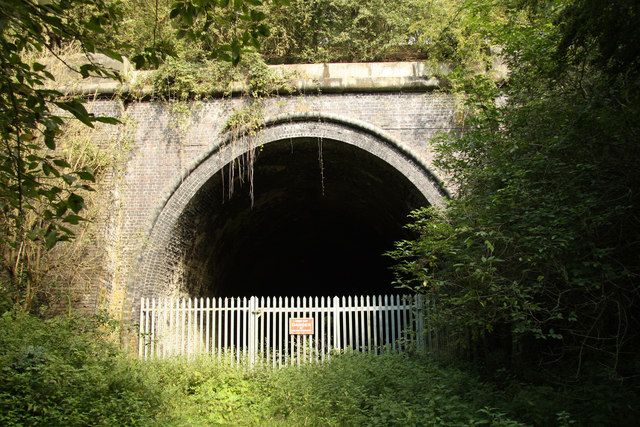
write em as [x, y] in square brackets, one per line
[324, 212]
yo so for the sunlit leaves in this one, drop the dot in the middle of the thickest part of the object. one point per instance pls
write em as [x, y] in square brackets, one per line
[33, 178]
[197, 21]
[538, 239]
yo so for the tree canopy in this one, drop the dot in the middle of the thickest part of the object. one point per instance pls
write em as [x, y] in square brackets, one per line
[36, 182]
[537, 255]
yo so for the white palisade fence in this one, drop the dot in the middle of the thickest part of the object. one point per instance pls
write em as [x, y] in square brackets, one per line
[257, 330]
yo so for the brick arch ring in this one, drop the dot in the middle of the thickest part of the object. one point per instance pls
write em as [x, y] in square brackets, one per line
[291, 126]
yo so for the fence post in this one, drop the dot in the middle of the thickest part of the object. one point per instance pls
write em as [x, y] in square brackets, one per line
[152, 330]
[251, 330]
[141, 337]
[336, 323]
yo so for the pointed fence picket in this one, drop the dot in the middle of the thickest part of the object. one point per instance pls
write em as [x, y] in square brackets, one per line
[256, 330]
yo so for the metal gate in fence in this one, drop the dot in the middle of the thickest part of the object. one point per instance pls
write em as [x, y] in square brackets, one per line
[280, 331]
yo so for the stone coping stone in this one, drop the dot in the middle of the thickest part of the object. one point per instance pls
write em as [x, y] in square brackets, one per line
[362, 77]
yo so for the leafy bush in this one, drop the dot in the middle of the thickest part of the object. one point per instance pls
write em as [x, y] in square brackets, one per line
[536, 257]
[390, 389]
[64, 372]
[177, 79]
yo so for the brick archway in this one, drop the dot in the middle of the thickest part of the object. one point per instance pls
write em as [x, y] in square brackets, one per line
[156, 267]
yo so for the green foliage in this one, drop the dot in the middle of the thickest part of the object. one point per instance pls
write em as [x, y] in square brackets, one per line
[356, 389]
[35, 180]
[292, 31]
[64, 371]
[353, 389]
[193, 30]
[604, 34]
[199, 20]
[341, 31]
[454, 32]
[459, 33]
[534, 256]
[177, 79]
[248, 119]
[67, 371]
[32, 176]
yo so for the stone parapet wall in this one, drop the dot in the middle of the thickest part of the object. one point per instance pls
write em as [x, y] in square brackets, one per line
[302, 78]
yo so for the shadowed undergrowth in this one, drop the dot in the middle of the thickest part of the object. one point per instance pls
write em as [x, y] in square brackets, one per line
[66, 371]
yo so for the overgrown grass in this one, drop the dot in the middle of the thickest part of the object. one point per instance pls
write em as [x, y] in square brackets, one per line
[354, 389]
[67, 371]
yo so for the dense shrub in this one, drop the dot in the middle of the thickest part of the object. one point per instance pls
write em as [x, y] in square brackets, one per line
[63, 371]
[354, 389]
[67, 371]
[534, 264]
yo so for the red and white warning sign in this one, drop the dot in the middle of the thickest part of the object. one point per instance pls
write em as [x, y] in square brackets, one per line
[301, 326]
